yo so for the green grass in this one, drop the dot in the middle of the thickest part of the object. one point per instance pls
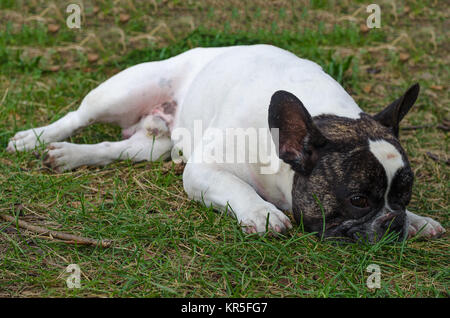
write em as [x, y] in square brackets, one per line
[164, 244]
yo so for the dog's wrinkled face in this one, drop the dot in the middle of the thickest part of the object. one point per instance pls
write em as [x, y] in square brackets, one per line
[353, 180]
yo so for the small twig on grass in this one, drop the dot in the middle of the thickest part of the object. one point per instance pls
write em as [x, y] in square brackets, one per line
[416, 127]
[67, 238]
[444, 127]
[437, 159]
[4, 96]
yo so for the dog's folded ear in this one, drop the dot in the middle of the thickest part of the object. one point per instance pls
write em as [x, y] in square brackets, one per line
[294, 133]
[394, 113]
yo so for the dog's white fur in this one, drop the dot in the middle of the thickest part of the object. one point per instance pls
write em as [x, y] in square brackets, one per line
[390, 159]
[222, 87]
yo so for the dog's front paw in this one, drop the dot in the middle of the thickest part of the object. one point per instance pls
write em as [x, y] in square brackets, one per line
[264, 219]
[424, 226]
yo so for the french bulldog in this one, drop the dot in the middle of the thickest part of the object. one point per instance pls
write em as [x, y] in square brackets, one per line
[341, 172]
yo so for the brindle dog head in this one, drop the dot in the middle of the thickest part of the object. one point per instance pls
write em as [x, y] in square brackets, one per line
[353, 180]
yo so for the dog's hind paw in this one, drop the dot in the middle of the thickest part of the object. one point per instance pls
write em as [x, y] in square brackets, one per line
[26, 140]
[62, 156]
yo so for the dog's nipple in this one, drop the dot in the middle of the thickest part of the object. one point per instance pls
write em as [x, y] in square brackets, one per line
[391, 156]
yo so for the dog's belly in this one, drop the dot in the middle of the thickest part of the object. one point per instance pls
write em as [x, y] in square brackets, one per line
[152, 92]
[156, 119]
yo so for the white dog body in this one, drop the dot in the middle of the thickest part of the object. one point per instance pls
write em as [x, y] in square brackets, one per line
[220, 87]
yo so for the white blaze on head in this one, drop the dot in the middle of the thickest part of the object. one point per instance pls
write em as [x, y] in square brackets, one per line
[389, 157]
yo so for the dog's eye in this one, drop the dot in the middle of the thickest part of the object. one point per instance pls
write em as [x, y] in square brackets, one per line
[359, 201]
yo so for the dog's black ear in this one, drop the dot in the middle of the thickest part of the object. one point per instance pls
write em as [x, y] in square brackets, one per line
[298, 137]
[394, 113]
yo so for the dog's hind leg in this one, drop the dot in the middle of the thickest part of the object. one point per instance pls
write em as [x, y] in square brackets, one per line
[62, 156]
[119, 100]
[126, 98]
[123, 99]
